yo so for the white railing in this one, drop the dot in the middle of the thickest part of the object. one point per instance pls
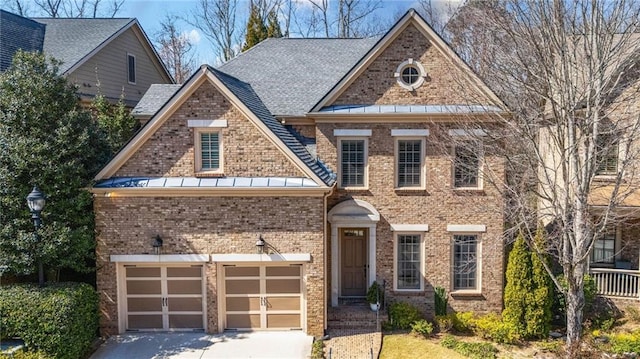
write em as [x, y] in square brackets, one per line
[617, 282]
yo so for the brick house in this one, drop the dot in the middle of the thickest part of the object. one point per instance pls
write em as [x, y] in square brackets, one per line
[262, 193]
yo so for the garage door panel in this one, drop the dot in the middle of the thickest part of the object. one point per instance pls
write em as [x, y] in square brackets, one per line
[288, 271]
[283, 321]
[195, 272]
[144, 287]
[148, 272]
[243, 286]
[283, 286]
[184, 321]
[144, 304]
[283, 303]
[145, 321]
[184, 286]
[241, 321]
[185, 304]
[236, 304]
[242, 271]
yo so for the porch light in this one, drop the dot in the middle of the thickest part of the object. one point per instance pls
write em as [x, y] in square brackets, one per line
[260, 244]
[36, 201]
[157, 244]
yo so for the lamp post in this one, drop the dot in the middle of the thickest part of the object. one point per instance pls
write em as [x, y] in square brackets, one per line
[36, 201]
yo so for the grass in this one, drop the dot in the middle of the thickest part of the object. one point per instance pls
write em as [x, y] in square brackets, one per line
[401, 346]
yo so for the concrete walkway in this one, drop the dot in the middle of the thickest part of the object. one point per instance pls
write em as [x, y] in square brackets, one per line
[353, 344]
[239, 345]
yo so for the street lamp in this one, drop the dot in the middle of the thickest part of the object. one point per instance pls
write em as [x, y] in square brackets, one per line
[36, 201]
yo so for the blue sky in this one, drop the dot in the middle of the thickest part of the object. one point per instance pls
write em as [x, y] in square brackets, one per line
[150, 12]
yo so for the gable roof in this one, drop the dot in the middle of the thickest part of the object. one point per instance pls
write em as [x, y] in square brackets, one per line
[152, 100]
[410, 17]
[17, 32]
[241, 95]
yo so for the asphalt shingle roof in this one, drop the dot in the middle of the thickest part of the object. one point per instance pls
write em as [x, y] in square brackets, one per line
[70, 40]
[155, 97]
[248, 96]
[17, 32]
[290, 75]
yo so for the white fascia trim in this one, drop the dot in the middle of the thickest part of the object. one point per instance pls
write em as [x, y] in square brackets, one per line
[351, 133]
[207, 123]
[476, 228]
[463, 132]
[283, 257]
[410, 227]
[395, 132]
[145, 258]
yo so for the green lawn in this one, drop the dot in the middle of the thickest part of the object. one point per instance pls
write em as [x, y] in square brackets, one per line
[402, 346]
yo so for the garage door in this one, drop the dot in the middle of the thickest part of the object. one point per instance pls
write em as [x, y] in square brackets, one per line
[263, 297]
[164, 297]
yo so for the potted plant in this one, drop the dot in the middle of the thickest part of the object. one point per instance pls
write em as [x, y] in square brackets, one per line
[375, 296]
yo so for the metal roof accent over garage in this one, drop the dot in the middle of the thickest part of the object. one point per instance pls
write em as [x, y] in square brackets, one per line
[194, 182]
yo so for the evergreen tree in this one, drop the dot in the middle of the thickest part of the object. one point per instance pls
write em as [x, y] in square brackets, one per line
[273, 26]
[519, 284]
[47, 140]
[538, 312]
[115, 121]
[256, 30]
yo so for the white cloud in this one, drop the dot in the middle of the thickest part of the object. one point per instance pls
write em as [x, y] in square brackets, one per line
[193, 36]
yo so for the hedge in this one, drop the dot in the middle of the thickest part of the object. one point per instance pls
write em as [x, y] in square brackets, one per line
[59, 320]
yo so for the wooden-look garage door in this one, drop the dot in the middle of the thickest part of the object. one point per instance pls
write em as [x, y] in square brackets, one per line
[263, 297]
[164, 298]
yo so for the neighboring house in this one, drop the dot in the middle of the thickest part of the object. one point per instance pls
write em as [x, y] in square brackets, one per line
[114, 53]
[264, 193]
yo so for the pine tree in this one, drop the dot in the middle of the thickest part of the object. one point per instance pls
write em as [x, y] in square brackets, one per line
[519, 284]
[273, 26]
[256, 30]
[538, 312]
[115, 121]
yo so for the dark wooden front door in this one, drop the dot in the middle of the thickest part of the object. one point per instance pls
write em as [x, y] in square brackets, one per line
[353, 270]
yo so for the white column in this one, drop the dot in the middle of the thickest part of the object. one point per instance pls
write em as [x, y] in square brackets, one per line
[372, 253]
[335, 262]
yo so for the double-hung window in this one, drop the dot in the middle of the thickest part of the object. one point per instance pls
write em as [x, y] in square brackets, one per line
[607, 155]
[604, 248]
[409, 254]
[131, 68]
[352, 157]
[466, 167]
[208, 148]
[465, 262]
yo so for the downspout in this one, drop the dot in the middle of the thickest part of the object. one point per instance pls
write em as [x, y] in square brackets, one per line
[325, 255]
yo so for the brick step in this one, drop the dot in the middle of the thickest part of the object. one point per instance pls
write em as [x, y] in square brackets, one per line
[367, 326]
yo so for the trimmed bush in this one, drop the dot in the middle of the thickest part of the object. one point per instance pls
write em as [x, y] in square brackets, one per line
[403, 315]
[441, 301]
[493, 328]
[422, 327]
[463, 322]
[20, 354]
[317, 349]
[444, 323]
[60, 320]
[471, 350]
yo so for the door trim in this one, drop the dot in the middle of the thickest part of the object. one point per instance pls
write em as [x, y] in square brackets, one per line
[364, 253]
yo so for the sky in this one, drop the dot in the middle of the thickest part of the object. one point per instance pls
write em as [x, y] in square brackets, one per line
[150, 12]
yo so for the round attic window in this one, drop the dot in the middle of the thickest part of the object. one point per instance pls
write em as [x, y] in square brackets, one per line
[410, 74]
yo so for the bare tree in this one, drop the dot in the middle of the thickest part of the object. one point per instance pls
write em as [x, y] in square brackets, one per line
[216, 19]
[570, 73]
[175, 49]
[437, 13]
[342, 18]
[65, 8]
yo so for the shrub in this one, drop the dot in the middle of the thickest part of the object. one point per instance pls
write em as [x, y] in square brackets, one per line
[403, 315]
[463, 322]
[441, 301]
[444, 323]
[317, 349]
[625, 342]
[20, 354]
[375, 293]
[422, 327]
[59, 320]
[589, 294]
[492, 327]
[632, 314]
[471, 350]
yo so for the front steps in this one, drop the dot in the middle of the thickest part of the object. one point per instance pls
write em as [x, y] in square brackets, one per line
[355, 315]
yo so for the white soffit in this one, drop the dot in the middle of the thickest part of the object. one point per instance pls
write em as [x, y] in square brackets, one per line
[410, 227]
[283, 257]
[207, 123]
[475, 228]
[409, 132]
[351, 133]
[463, 132]
[146, 258]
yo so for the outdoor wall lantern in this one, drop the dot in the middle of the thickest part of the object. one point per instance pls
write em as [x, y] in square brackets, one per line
[36, 201]
[260, 244]
[157, 244]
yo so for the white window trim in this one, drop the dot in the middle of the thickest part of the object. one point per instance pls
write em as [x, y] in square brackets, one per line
[461, 132]
[351, 133]
[403, 132]
[198, 151]
[422, 74]
[395, 261]
[478, 289]
[135, 69]
[423, 163]
[480, 186]
[207, 123]
[466, 228]
[410, 227]
[366, 163]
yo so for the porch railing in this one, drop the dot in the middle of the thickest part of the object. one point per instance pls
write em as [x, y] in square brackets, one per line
[617, 282]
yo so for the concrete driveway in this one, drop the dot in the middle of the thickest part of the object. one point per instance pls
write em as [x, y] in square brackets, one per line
[238, 345]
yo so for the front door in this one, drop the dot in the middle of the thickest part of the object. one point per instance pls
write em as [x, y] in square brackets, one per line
[353, 262]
